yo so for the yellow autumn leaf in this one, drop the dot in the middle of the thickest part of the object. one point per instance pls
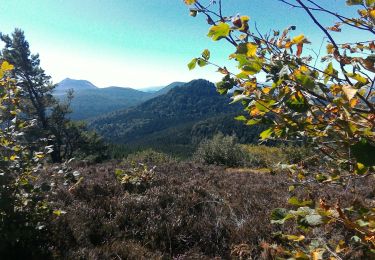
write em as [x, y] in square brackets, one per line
[372, 14]
[288, 44]
[251, 49]
[298, 39]
[13, 157]
[318, 254]
[353, 102]
[303, 68]
[5, 66]
[190, 2]
[266, 90]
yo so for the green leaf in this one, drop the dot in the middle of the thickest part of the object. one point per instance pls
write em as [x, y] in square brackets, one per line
[320, 177]
[226, 84]
[362, 80]
[279, 213]
[266, 134]
[58, 212]
[354, 2]
[240, 118]
[296, 202]
[206, 54]
[202, 63]
[253, 121]
[297, 103]
[294, 237]
[305, 80]
[249, 49]
[192, 64]
[219, 31]
[329, 72]
[264, 106]
[252, 66]
[118, 172]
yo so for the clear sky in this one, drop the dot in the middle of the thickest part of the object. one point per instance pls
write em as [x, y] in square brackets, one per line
[137, 43]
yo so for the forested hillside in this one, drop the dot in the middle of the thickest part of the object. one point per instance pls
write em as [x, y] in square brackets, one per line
[89, 101]
[175, 122]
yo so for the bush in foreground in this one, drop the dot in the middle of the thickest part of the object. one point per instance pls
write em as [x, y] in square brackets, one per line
[220, 150]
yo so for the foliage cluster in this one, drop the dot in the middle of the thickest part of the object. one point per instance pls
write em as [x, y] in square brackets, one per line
[332, 108]
[23, 207]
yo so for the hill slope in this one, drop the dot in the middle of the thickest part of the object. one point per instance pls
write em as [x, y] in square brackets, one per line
[175, 122]
[90, 101]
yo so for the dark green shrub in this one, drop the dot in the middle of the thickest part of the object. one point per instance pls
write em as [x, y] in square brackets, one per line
[220, 150]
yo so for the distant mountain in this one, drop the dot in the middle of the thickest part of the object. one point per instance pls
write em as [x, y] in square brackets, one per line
[90, 101]
[176, 121]
[76, 85]
[166, 89]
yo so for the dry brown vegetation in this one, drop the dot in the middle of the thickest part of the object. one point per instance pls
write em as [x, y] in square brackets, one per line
[187, 211]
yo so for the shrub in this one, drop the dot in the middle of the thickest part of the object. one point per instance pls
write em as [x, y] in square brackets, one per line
[23, 209]
[271, 156]
[220, 150]
[148, 156]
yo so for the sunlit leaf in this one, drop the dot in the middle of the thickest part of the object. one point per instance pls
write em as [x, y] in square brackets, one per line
[266, 134]
[5, 66]
[240, 118]
[190, 2]
[297, 103]
[294, 238]
[296, 202]
[206, 54]
[192, 64]
[219, 31]
[349, 91]
[298, 39]
[202, 63]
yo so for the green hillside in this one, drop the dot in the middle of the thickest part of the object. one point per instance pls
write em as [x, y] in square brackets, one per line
[90, 101]
[175, 122]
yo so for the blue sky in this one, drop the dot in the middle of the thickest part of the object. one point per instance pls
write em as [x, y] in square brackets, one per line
[138, 43]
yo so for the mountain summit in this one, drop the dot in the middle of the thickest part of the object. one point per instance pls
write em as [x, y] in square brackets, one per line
[74, 84]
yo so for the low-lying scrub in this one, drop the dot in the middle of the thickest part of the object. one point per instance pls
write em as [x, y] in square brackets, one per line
[188, 211]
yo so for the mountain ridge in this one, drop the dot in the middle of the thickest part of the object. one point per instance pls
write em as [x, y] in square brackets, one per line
[89, 101]
[176, 121]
